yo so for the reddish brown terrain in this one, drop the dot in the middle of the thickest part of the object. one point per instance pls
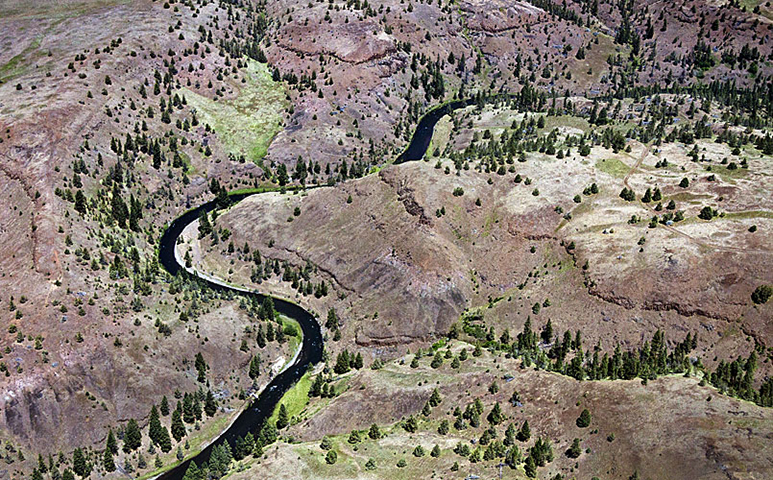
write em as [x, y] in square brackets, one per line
[116, 117]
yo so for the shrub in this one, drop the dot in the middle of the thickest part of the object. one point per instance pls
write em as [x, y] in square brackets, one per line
[628, 195]
[706, 213]
[583, 420]
[762, 294]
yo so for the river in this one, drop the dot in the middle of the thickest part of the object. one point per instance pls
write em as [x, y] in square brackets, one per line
[261, 408]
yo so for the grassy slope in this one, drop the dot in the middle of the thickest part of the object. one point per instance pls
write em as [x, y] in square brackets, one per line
[245, 124]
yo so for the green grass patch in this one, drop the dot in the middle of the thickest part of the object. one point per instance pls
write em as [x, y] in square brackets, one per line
[490, 220]
[46, 9]
[749, 214]
[296, 399]
[18, 64]
[295, 340]
[613, 167]
[585, 207]
[566, 121]
[726, 173]
[751, 4]
[689, 197]
[247, 124]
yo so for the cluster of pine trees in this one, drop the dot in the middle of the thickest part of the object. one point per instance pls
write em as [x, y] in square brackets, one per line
[565, 354]
[736, 378]
[346, 361]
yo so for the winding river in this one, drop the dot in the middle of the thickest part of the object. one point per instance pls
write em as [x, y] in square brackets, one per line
[261, 408]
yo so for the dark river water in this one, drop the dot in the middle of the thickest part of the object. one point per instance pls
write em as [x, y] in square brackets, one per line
[261, 408]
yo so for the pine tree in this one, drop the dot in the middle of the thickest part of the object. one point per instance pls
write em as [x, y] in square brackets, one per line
[154, 425]
[257, 452]
[244, 446]
[79, 464]
[80, 202]
[268, 434]
[132, 438]
[435, 399]
[164, 441]
[530, 467]
[254, 367]
[158, 433]
[442, 429]
[201, 367]
[512, 457]
[316, 387]
[282, 419]
[119, 211]
[525, 432]
[342, 363]
[107, 461]
[547, 332]
[178, 427]
[205, 228]
[495, 417]
[196, 407]
[575, 450]
[437, 360]
[189, 416]
[193, 472]
[164, 407]
[358, 361]
[210, 405]
[111, 444]
[509, 435]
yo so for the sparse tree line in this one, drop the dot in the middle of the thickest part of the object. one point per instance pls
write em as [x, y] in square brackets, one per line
[565, 354]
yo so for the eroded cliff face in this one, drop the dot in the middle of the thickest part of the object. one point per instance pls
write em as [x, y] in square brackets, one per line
[400, 279]
[91, 387]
